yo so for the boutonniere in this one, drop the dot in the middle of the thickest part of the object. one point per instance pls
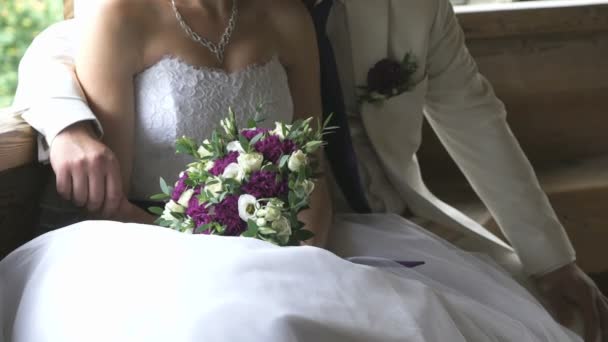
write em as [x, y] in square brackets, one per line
[388, 78]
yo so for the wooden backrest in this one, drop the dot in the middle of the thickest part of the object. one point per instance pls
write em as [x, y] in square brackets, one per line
[68, 9]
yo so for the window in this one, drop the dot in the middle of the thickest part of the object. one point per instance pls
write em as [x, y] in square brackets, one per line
[20, 22]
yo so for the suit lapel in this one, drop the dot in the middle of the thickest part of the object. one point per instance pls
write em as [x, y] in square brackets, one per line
[368, 26]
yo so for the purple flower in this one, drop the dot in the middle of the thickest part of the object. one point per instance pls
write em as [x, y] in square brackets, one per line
[227, 214]
[263, 184]
[272, 147]
[289, 146]
[251, 133]
[180, 187]
[386, 75]
[220, 165]
[198, 211]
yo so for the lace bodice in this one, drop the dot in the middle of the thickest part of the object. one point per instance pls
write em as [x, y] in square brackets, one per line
[174, 99]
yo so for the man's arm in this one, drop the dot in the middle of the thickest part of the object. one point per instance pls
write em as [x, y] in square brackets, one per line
[56, 107]
[48, 83]
[471, 123]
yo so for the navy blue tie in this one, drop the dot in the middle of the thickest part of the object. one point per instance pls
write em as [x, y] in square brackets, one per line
[339, 149]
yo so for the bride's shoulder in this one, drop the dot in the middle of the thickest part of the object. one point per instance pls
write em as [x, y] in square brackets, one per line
[132, 12]
[287, 11]
[291, 17]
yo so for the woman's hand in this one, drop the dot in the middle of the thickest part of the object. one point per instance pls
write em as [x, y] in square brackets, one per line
[127, 212]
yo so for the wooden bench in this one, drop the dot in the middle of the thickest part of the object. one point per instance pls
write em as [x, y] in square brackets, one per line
[21, 181]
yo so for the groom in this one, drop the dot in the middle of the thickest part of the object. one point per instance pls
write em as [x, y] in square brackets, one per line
[380, 98]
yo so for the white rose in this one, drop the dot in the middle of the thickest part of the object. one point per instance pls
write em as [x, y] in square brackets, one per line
[278, 129]
[235, 146]
[184, 199]
[250, 162]
[175, 207]
[272, 214]
[234, 171]
[202, 151]
[247, 207]
[216, 187]
[297, 160]
[283, 229]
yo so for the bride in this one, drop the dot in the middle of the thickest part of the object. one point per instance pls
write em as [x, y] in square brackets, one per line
[151, 78]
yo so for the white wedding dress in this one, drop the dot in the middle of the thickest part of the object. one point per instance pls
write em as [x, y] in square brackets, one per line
[108, 281]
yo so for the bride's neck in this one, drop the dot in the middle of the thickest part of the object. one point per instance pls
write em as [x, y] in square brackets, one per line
[217, 6]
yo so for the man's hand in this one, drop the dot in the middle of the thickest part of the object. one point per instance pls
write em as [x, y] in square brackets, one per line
[87, 171]
[569, 289]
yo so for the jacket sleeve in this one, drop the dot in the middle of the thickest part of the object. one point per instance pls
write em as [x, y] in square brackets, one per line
[48, 90]
[471, 123]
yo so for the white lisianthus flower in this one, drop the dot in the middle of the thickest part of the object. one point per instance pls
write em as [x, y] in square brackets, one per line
[184, 199]
[208, 165]
[272, 214]
[216, 187]
[248, 205]
[312, 146]
[297, 160]
[235, 146]
[250, 162]
[308, 186]
[278, 129]
[175, 207]
[283, 229]
[202, 151]
[261, 212]
[234, 171]
[167, 216]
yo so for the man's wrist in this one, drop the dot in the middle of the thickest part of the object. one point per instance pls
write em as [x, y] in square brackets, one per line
[81, 127]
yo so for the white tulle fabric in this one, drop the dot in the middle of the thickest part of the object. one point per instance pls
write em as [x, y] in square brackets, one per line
[107, 281]
[175, 99]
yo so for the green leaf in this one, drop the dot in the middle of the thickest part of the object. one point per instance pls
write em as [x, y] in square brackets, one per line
[156, 210]
[202, 228]
[244, 143]
[159, 197]
[164, 187]
[164, 223]
[283, 161]
[257, 138]
[251, 123]
[252, 229]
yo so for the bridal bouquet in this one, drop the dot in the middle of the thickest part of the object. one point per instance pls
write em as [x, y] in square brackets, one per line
[249, 182]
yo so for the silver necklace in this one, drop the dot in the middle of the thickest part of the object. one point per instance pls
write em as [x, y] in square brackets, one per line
[217, 50]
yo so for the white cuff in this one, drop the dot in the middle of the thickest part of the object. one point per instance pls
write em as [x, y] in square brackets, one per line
[51, 116]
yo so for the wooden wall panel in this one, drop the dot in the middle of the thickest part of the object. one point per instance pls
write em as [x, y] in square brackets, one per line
[550, 67]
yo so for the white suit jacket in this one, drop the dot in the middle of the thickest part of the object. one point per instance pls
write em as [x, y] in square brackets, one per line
[457, 101]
